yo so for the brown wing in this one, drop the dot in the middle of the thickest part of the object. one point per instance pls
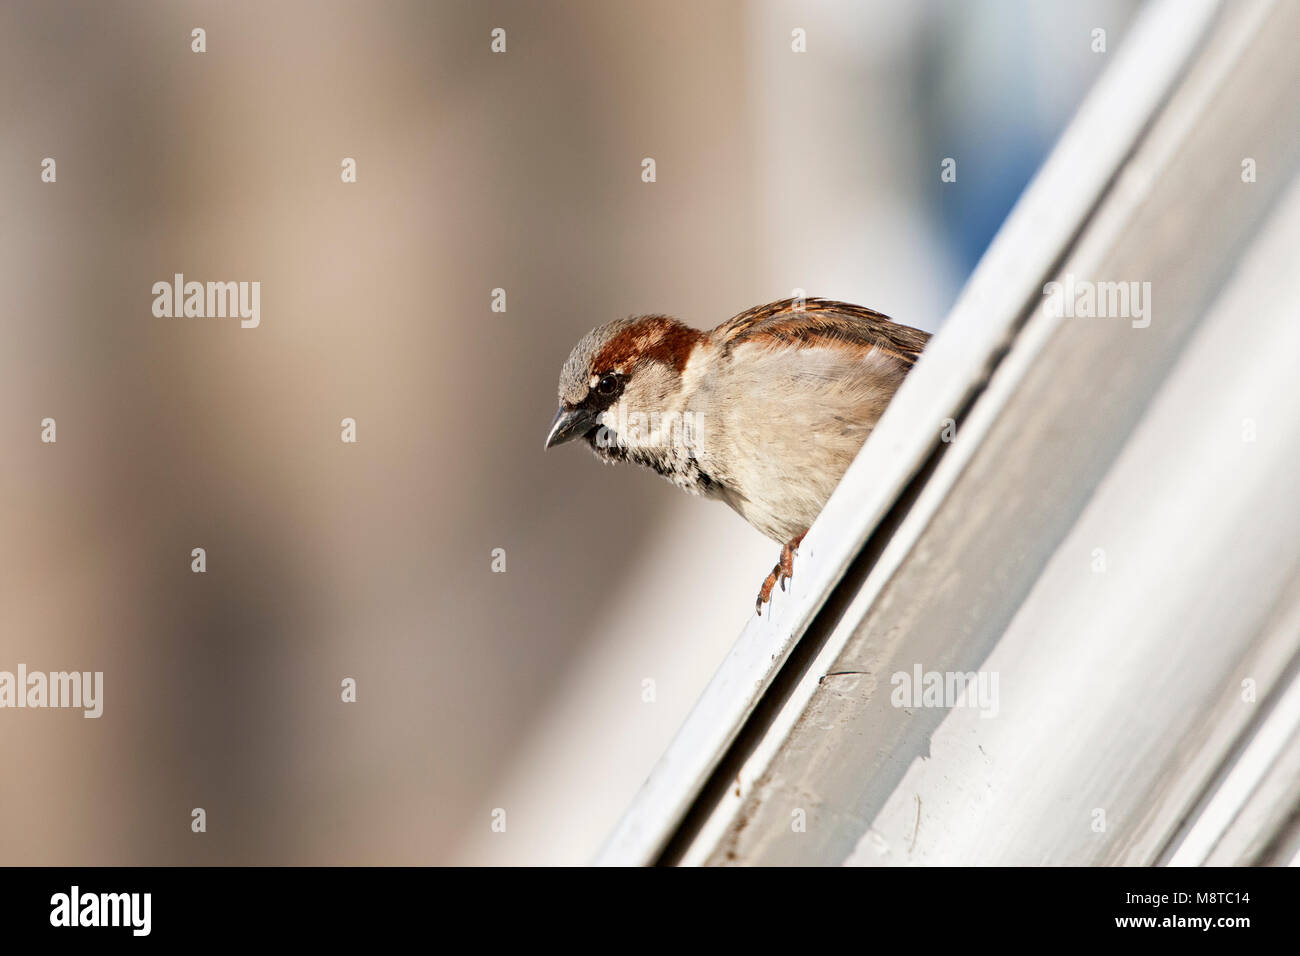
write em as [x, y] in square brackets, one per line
[780, 323]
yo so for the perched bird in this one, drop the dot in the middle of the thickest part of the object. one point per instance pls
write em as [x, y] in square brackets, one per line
[765, 412]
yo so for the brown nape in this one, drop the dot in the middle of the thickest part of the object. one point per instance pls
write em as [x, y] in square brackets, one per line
[658, 338]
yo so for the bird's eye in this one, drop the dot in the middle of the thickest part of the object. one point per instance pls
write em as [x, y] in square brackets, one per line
[608, 385]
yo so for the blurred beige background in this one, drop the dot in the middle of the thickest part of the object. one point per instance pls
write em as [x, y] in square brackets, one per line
[476, 690]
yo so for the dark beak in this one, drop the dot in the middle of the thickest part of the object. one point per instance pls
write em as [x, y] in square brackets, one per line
[570, 423]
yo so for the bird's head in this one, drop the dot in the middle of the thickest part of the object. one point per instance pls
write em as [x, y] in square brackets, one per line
[626, 367]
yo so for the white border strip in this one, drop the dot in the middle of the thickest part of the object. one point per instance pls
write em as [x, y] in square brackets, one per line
[1263, 751]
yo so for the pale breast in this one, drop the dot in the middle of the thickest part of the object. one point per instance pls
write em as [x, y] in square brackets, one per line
[784, 423]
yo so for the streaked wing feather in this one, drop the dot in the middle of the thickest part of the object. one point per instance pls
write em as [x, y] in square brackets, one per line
[819, 319]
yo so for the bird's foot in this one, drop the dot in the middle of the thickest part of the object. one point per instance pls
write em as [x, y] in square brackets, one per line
[783, 572]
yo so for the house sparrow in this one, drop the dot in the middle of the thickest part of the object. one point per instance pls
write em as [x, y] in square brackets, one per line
[765, 412]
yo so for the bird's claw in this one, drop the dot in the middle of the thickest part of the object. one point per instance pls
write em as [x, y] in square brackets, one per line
[782, 573]
[765, 592]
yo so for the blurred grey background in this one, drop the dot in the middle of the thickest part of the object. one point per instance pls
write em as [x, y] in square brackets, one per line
[523, 691]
